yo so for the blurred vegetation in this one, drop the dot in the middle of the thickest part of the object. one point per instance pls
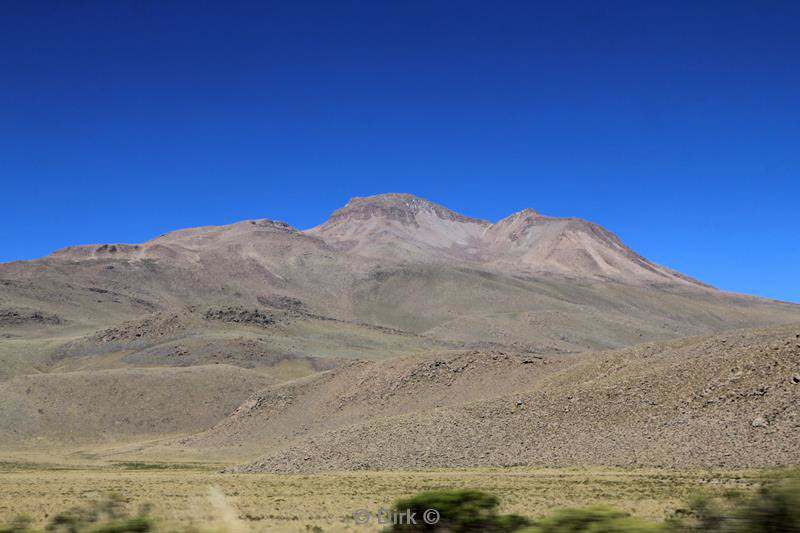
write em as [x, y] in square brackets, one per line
[593, 520]
[774, 508]
[458, 511]
[108, 515]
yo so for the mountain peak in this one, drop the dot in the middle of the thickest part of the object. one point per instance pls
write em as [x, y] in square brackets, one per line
[525, 213]
[404, 227]
[389, 198]
[401, 207]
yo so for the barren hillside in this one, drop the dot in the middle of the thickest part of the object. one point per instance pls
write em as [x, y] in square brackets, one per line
[369, 390]
[725, 400]
[81, 407]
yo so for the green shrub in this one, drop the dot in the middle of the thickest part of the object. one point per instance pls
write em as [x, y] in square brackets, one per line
[775, 508]
[593, 520]
[702, 514]
[105, 516]
[459, 511]
[137, 524]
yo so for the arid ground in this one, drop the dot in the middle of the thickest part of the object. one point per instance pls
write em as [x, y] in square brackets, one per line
[195, 494]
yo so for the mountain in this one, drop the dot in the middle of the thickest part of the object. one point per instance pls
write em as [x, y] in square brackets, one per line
[402, 227]
[531, 340]
[386, 275]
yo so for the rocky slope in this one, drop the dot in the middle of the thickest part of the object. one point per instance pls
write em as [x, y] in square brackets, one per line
[726, 400]
[80, 407]
[367, 390]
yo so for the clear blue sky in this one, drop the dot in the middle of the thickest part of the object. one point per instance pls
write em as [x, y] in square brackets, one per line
[674, 124]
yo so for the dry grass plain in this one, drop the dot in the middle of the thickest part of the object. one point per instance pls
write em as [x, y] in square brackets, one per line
[196, 495]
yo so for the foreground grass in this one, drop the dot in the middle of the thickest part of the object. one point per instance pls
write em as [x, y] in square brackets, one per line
[195, 495]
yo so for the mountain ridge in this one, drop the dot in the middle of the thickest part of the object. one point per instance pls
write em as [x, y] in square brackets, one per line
[386, 274]
[525, 241]
[403, 227]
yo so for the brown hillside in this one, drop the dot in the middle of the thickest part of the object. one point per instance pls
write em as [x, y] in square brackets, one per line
[725, 400]
[120, 404]
[367, 390]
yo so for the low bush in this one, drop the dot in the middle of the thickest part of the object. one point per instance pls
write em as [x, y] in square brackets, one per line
[459, 511]
[593, 520]
[775, 508]
[105, 516]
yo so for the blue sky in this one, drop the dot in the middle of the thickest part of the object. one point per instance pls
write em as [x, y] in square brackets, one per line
[674, 124]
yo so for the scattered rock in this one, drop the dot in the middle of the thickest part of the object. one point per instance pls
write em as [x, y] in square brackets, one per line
[241, 315]
[19, 317]
[152, 326]
[759, 422]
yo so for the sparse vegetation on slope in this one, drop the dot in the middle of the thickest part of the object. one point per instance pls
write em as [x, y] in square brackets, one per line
[120, 404]
[727, 401]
